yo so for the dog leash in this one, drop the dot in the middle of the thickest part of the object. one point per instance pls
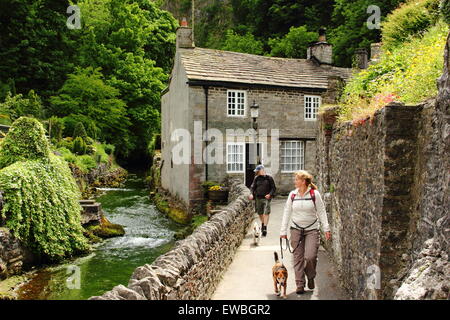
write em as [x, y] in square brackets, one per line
[302, 235]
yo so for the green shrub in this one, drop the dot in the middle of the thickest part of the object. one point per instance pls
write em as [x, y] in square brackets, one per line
[56, 128]
[100, 154]
[407, 74]
[79, 146]
[445, 10]
[85, 163]
[109, 148]
[66, 143]
[79, 131]
[410, 19]
[41, 207]
[25, 141]
[67, 155]
[19, 106]
[40, 195]
[71, 121]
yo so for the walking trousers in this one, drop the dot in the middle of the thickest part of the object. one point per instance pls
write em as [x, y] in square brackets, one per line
[305, 254]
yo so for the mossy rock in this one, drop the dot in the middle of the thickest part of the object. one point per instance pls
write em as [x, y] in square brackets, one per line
[106, 229]
[92, 237]
[176, 214]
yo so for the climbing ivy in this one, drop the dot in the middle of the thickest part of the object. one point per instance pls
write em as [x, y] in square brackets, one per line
[40, 195]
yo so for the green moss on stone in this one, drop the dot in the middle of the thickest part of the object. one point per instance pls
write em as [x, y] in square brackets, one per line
[106, 230]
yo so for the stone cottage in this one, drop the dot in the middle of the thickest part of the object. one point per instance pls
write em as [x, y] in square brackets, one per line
[212, 91]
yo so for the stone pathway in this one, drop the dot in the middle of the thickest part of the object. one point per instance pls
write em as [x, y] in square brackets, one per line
[249, 276]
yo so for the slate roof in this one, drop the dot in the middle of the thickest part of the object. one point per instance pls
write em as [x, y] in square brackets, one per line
[226, 66]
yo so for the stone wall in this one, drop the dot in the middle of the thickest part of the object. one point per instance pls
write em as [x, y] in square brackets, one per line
[386, 181]
[426, 274]
[193, 268]
[367, 170]
[13, 256]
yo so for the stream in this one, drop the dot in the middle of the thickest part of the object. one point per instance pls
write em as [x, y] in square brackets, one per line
[149, 234]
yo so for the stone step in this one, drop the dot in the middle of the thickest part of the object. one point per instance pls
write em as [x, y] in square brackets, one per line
[84, 202]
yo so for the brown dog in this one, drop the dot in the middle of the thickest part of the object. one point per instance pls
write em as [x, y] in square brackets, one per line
[280, 275]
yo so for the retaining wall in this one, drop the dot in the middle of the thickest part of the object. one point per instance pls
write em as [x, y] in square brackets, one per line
[194, 267]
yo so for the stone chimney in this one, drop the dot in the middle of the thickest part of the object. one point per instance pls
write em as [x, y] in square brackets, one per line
[361, 58]
[185, 36]
[321, 50]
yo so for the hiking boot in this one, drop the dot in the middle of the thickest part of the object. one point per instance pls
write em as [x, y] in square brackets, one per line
[264, 231]
[311, 283]
[300, 290]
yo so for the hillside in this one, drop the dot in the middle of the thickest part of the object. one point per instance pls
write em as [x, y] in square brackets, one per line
[414, 37]
[276, 26]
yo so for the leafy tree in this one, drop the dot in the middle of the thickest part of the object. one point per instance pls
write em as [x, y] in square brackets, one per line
[349, 29]
[274, 18]
[445, 10]
[37, 48]
[133, 42]
[18, 106]
[294, 44]
[242, 43]
[85, 93]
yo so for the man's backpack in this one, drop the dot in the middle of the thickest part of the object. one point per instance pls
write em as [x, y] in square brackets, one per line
[313, 197]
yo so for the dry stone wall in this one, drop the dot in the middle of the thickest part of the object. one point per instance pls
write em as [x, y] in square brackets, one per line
[386, 183]
[193, 268]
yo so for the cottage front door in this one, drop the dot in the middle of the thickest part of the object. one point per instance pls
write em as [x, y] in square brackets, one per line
[253, 153]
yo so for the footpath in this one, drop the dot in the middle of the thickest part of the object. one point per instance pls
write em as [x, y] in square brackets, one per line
[249, 276]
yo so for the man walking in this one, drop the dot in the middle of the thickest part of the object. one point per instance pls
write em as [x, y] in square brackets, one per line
[263, 190]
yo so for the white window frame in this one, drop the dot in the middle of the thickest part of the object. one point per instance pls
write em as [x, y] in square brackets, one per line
[302, 145]
[242, 144]
[233, 106]
[311, 108]
[261, 153]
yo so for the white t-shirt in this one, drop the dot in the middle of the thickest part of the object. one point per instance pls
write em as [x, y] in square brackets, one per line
[303, 212]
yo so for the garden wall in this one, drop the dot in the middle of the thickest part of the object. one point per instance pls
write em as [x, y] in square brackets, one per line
[386, 182]
[194, 267]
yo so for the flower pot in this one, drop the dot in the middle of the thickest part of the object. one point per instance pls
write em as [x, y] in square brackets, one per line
[218, 195]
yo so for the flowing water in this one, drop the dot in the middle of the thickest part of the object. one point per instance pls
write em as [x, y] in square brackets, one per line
[148, 235]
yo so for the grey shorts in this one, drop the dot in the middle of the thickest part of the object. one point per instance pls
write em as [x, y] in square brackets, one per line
[262, 206]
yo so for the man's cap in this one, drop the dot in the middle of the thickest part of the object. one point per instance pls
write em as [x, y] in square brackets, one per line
[258, 168]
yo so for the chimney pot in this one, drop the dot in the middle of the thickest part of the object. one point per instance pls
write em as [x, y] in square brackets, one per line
[185, 36]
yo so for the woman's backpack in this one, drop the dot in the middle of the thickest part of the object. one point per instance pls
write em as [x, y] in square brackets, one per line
[313, 197]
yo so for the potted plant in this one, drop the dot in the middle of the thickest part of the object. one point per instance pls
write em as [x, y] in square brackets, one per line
[218, 193]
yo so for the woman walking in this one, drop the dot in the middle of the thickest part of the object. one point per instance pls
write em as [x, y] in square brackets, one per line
[302, 212]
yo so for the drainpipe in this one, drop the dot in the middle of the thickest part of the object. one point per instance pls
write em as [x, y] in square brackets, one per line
[206, 89]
